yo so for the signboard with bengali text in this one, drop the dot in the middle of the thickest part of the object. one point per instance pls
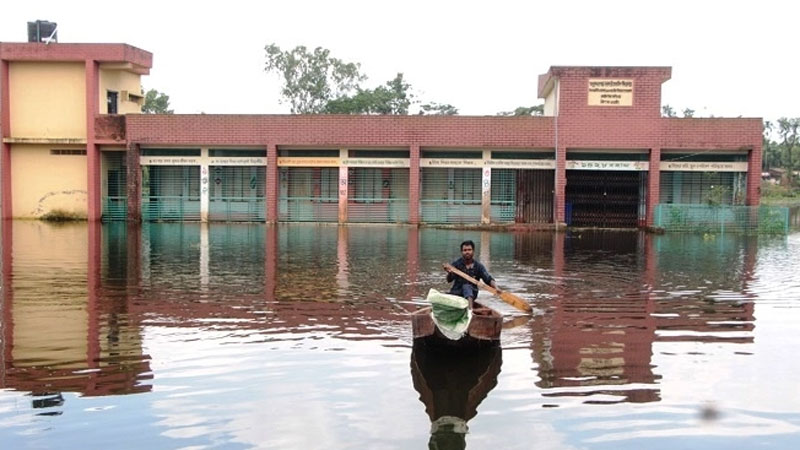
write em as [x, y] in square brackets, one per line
[608, 165]
[376, 162]
[451, 163]
[699, 166]
[610, 92]
[170, 160]
[293, 161]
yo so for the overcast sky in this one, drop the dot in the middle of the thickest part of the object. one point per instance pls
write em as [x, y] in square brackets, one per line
[728, 58]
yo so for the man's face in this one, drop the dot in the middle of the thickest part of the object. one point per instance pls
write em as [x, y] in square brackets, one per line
[467, 252]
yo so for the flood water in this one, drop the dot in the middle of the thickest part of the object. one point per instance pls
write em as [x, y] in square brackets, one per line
[298, 337]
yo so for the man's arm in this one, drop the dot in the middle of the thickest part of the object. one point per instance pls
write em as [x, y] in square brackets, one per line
[450, 275]
[488, 279]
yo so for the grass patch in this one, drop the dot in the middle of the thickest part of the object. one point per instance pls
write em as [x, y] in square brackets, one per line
[59, 215]
[777, 195]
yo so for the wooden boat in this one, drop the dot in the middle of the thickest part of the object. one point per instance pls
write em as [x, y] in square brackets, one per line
[484, 329]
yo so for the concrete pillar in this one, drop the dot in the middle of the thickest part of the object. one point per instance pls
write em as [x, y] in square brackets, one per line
[271, 189]
[413, 185]
[133, 189]
[486, 189]
[204, 185]
[653, 186]
[343, 185]
[204, 257]
[94, 209]
[5, 148]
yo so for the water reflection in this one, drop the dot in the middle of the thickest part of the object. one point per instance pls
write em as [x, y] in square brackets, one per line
[452, 385]
[617, 315]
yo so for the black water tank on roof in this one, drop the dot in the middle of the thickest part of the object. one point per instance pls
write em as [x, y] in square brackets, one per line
[41, 30]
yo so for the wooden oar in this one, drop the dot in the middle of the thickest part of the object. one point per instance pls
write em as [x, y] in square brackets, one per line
[507, 297]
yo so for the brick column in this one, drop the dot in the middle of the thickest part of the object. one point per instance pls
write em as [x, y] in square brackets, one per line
[653, 186]
[754, 176]
[413, 185]
[133, 189]
[92, 151]
[271, 189]
[5, 149]
[559, 190]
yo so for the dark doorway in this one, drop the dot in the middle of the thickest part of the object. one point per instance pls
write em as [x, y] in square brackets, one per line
[112, 100]
[604, 199]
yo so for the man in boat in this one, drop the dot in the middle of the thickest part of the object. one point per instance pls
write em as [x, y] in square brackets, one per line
[472, 267]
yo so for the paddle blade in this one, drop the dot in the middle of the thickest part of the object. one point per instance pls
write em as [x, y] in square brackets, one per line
[515, 301]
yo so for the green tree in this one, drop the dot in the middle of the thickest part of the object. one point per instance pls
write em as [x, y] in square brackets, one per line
[688, 112]
[770, 150]
[394, 97]
[156, 103]
[535, 110]
[317, 83]
[788, 130]
[312, 79]
[438, 109]
[667, 111]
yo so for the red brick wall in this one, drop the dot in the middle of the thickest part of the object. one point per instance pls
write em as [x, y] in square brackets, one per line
[653, 185]
[272, 183]
[584, 126]
[337, 131]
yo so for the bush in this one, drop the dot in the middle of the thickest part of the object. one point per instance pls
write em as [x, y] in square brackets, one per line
[59, 215]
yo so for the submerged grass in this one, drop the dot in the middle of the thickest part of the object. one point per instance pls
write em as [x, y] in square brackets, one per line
[60, 215]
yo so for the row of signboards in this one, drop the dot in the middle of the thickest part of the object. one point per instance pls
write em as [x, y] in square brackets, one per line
[688, 166]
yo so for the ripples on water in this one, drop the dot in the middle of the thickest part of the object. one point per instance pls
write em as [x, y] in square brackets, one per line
[297, 336]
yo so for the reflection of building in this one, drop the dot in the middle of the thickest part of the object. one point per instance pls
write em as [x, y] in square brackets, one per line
[598, 339]
[601, 155]
[59, 334]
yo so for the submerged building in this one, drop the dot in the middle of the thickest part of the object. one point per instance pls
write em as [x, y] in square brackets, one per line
[74, 142]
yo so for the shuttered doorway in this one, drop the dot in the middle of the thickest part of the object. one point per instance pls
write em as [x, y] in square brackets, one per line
[171, 193]
[608, 199]
[308, 194]
[377, 195]
[115, 195]
[504, 195]
[534, 202]
[237, 193]
[450, 195]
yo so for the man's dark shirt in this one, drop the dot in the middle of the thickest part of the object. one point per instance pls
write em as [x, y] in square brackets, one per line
[478, 271]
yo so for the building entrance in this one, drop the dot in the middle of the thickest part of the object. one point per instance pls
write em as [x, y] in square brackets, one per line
[608, 199]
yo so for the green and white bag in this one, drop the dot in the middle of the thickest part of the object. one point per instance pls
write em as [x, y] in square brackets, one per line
[450, 313]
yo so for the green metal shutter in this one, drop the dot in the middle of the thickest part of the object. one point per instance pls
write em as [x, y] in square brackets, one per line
[450, 195]
[171, 193]
[236, 193]
[377, 195]
[719, 188]
[504, 195]
[115, 201]
[309, 194]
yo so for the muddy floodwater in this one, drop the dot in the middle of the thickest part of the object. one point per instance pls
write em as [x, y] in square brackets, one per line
[171, 336]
